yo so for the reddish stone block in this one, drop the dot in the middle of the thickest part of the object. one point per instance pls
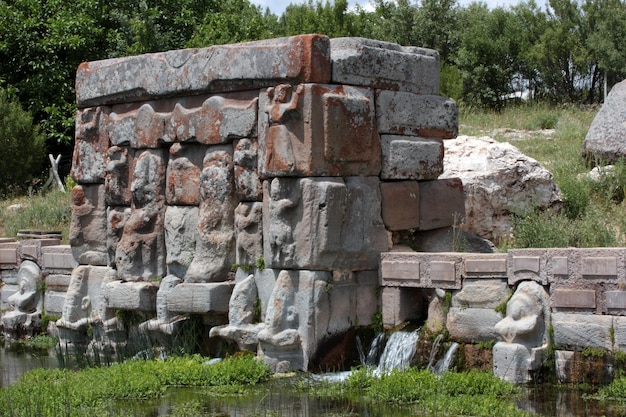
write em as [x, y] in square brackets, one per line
[400, 205]
[183, 174]
[244, 66]
[318, 130]
[90, 148]
[117, 179]
[248, 185]
[442, 203]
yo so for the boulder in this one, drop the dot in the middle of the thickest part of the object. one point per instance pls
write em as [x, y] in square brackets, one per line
[498, 181]
[606, 138]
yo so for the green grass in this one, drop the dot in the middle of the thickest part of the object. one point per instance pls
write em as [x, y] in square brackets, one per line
[593, 212]
[48, 211]
[93, 391]
[468, 393]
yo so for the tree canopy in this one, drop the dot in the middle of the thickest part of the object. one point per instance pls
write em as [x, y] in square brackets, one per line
[561, 52]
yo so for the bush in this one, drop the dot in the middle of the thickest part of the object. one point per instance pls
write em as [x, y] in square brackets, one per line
[21, 142]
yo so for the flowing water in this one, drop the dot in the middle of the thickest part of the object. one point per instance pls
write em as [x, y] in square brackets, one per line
[399, 351]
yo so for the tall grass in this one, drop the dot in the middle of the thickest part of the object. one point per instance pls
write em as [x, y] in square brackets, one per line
[47, 211]
[93, 391]
[593, 213]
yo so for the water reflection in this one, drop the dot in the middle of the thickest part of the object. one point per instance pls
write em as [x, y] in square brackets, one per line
[281, 398]
[14, 363]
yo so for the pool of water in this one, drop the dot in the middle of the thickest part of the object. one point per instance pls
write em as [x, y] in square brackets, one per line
[278, 398]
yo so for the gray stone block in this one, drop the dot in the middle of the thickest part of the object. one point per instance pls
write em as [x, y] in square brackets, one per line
[582, 330]
[200, 298]
[385, 65]
[426, 116]
[473, 324]
[410, 157]
[245, 66]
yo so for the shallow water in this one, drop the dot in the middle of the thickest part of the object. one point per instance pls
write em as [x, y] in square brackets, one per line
[280, 399]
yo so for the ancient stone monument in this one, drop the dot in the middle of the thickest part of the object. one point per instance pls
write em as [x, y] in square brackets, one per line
[254, 185]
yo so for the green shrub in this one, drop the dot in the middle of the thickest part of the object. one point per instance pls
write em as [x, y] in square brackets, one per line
[22, 145]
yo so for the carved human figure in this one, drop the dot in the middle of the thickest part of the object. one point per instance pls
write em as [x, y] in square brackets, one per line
[26, 302]
[27, 298]
[164, 321]
[140, 253]
[281, 108]
[282, 318]
[284, 200]
[524, 323]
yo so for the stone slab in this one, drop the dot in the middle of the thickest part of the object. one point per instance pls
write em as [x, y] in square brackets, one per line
[527, 264]
[200, 298]
[481, 293]
[89, 158]
[385, 65]
[57, 282]
[58, 259]
[442, 203]
[485, 265]
[472, 324]
[573, 299]
[582, 330]
[400, 305]
[410, 157]
[426, 116]
[53, 302]
[318, 130]
[619, 333]
[8, 255]
[421, 270]
[245, 66]
[400, 204]
[615, 301]
[121, 295]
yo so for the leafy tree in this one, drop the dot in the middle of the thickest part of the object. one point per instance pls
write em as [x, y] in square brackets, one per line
[327, 18]
[607, 42]
[21, 142]
[489, 51]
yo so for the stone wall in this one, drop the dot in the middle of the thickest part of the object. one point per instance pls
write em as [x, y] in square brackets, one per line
[269, 173]
[585, 296]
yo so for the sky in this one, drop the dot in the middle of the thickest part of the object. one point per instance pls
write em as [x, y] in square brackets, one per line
[278, 6]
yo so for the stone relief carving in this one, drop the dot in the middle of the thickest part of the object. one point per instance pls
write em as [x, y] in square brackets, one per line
[26, 303]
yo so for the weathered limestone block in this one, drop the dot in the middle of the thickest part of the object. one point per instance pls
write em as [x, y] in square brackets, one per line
[292, 331]
[411, 158]
[249, 233]
[498, 180]
[90, 149]
[131, 296]
[140, 253]
[215, 245]
[527, 264]
[481, 293]
[515, 363]
[421, 270]
[24, 318]
[400, 204]
[200, 298]
[241, 316]
[180, 238]
[54, 297]
[605, 138]
[58, 259]
[166, 321]
[8, 255]
[583, 266]
[84, 306]
[442, 203]
[582, 330]
[619, 333]
[88, 228]
[32, 249]
[183, 174]
[485, 265]
[473, 324]
[296, 209]
[296, 59]
[318, 130]
[247, 182]
[118, 177]
[204, 119]
[116, 219]
[400, 304]
[426, 116]
[385, 65]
